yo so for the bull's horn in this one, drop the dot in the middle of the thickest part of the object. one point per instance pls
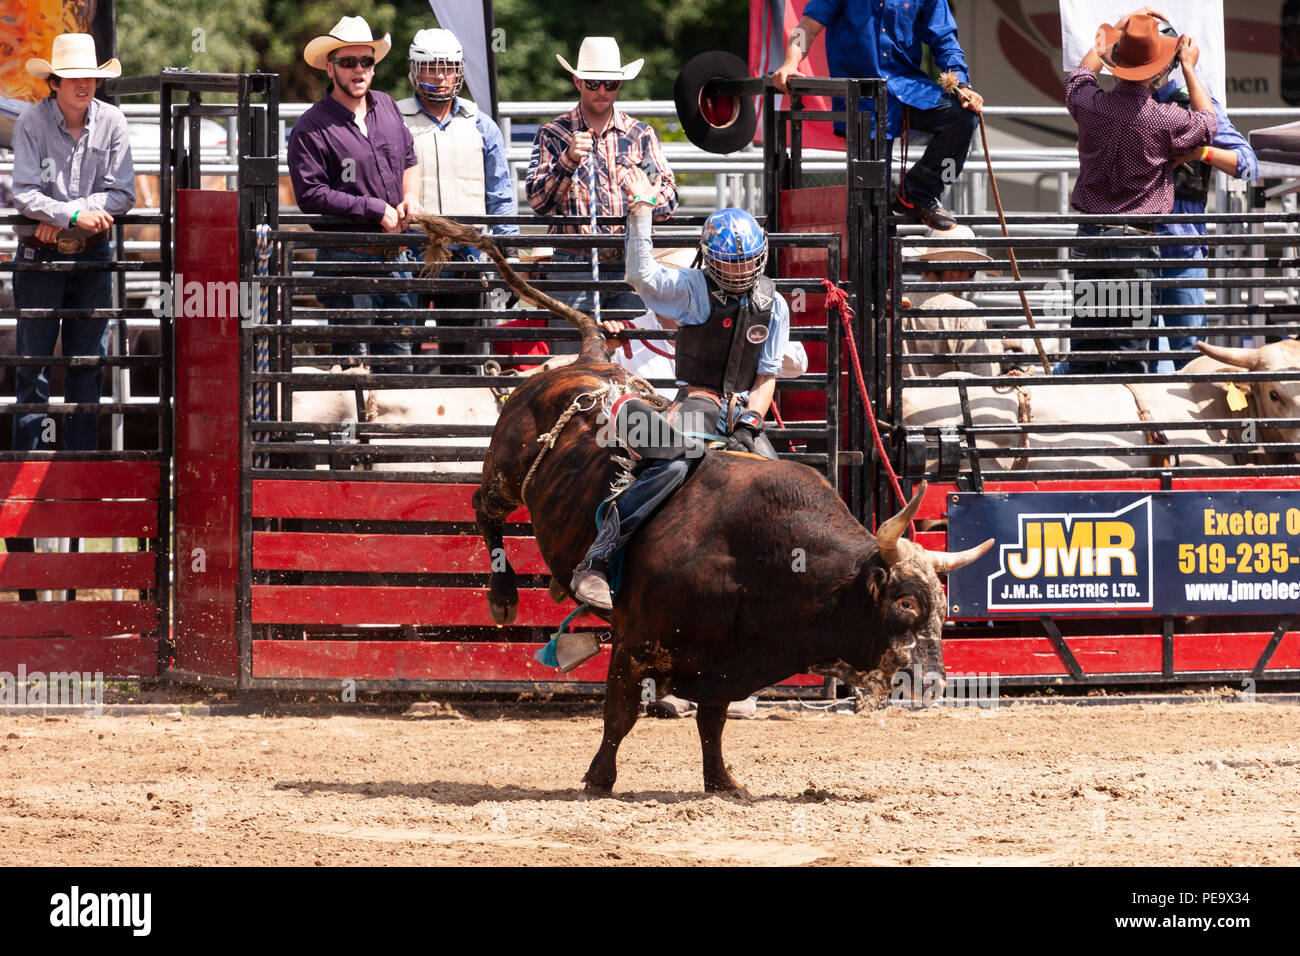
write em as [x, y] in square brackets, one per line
[943, 561]
[1242, 358]
[888, 534]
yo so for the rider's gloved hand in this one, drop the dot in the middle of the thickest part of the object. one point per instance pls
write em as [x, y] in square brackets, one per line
[746, 430]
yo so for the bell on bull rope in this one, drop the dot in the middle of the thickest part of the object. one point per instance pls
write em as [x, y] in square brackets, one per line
[576, 648]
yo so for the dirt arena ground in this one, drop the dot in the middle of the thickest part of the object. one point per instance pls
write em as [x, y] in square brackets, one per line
[1061, 785]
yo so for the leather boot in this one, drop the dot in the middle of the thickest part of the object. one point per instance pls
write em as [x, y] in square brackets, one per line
[590, 582]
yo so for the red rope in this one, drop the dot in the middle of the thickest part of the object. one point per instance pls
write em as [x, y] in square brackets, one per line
[837, 298]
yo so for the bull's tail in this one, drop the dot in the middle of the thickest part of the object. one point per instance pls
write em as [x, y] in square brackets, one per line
[444, 233]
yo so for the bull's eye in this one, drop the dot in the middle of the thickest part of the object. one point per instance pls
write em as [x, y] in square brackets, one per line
[907, 604]
[1274, 397]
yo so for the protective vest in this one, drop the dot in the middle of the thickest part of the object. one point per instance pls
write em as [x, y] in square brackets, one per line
[1191, 180]
[450, 160]
[722, 352]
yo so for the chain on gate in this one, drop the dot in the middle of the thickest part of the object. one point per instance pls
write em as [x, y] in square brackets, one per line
[262, 345]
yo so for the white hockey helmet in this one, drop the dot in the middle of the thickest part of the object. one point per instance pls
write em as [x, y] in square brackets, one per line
[432, 49]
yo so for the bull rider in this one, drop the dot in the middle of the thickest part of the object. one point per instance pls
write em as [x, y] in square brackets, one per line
[734, 328]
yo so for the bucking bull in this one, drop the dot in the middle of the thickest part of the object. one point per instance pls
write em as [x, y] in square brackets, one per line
[752, 572]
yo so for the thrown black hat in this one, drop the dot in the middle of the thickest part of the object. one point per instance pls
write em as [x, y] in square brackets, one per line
[715, 121]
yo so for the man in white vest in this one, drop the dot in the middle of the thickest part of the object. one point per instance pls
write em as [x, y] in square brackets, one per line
[461, 157]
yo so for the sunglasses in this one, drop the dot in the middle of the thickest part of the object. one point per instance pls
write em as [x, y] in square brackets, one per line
[594, 85]
[352, 62]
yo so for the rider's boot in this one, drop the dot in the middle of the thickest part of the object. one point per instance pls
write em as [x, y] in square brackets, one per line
[590, 583]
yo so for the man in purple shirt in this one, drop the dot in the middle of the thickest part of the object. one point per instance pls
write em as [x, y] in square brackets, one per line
[351, 155]
[1129, 144]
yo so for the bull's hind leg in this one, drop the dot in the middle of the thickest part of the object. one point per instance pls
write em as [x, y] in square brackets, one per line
[503, 591]
[710, 719]
[622, 706]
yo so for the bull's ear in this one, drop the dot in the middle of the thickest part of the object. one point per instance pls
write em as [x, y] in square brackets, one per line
[876, 579]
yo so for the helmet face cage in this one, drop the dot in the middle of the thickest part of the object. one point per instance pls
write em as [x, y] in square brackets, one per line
[441, 64]
[734, 248]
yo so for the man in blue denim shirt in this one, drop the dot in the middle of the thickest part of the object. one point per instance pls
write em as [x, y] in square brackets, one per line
[1230, 153]
[866, 38]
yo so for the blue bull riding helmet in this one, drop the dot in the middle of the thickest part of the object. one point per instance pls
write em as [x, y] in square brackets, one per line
[734, 247]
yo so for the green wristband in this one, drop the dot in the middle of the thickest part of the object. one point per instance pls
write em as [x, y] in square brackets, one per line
[652, 200]
[73, 220]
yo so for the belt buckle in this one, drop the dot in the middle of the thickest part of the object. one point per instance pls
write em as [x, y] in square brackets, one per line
[70, 246]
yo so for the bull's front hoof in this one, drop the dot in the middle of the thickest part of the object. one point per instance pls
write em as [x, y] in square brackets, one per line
[724, 783]
[591, 791]
[735, 790]
[503, 613]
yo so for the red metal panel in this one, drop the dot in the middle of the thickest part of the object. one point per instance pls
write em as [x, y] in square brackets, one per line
[46, 480]
[111, 656]
[1035, 656]
[127, 570]
[207, 438]
[1206, 652]
[1117, 654]
[77, 618]
[395, 553]
[1263, 483]
[403, 660]
[933, 540]
[79, 519]
[366, 501]
[447, 607]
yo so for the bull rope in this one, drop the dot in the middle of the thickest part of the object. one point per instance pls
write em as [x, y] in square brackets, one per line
[262, 348]
[600, 396]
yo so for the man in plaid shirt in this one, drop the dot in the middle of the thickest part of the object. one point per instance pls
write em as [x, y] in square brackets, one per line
[595, 138]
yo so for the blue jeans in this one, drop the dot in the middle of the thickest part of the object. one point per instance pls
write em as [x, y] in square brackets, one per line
[1191, 293]
[1098, 302]
[951, 127]
[585, 301]
[370, 300]
[36, 337]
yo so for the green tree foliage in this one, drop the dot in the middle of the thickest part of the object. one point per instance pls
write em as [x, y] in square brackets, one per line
[269, 35]
[209, 38]
[666, 33]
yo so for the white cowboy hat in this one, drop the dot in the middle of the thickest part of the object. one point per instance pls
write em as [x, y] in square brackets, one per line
[946, 253]
[350, 31]
[598, 59]
[74, 59]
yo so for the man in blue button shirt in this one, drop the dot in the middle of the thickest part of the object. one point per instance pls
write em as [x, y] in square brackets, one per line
[883, 38]
[1231, 153]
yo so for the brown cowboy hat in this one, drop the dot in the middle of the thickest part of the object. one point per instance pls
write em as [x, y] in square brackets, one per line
[1138, 52]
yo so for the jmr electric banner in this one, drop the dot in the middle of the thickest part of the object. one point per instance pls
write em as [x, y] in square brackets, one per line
[1153, 553]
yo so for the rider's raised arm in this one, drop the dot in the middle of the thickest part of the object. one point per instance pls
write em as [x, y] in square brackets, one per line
[679, 294]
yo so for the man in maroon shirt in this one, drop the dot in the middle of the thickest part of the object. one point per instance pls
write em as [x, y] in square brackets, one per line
[1129, 145]
[351, 155]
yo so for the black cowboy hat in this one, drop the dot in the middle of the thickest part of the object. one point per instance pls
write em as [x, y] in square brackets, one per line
[715, 121]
